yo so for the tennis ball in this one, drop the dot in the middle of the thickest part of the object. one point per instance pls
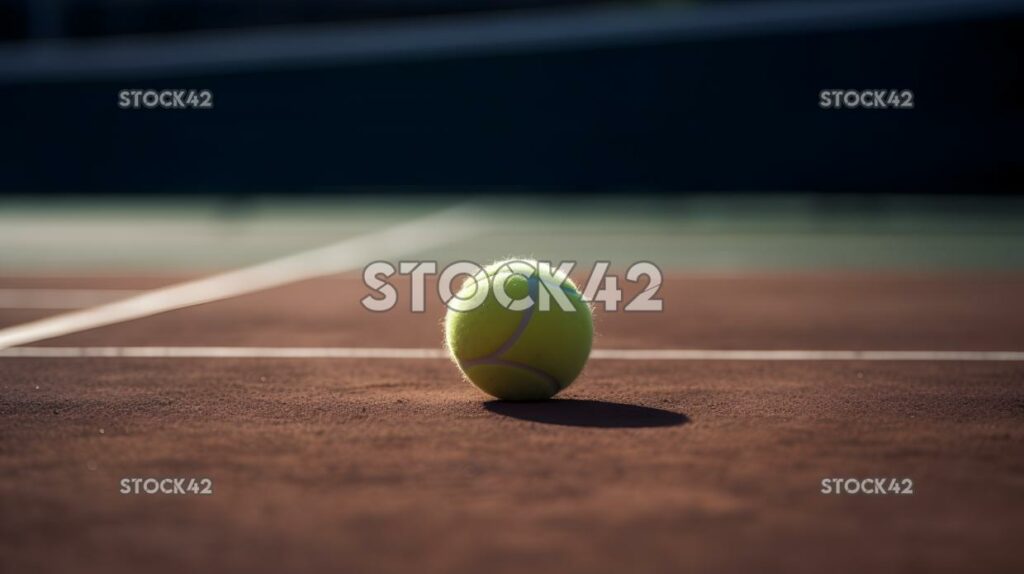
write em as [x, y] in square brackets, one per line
[509, 348]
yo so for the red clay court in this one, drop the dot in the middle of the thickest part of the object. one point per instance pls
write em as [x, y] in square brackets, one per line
[799, 342]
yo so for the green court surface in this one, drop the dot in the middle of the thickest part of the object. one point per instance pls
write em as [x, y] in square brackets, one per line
[714, 233]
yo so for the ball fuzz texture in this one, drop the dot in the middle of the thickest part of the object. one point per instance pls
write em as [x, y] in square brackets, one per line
[509, 348]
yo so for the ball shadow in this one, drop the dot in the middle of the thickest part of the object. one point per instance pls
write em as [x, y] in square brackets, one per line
[585, 413]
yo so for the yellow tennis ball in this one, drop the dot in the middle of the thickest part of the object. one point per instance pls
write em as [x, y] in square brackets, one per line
[512, 349]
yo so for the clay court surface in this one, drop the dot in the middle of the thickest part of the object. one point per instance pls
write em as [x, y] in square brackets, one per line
[394, 464]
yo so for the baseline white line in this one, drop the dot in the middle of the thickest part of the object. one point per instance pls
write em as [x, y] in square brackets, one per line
[801, 355]
[226, 352]
[437, 353]
[438, 229]
[31, 298]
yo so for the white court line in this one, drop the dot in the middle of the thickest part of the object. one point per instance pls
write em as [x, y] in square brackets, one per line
[31, 298]
[226, 352]
[437, 353]
[801, 355]
[434, 230]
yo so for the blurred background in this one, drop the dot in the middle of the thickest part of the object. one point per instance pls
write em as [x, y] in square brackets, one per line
[559, 96]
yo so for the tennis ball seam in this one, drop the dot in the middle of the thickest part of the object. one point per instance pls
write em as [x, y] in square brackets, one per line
[497, 361]
[505, 356]
[495, 358]
[532, 289]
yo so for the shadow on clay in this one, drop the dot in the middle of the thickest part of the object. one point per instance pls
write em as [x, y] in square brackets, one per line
[585, 413]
